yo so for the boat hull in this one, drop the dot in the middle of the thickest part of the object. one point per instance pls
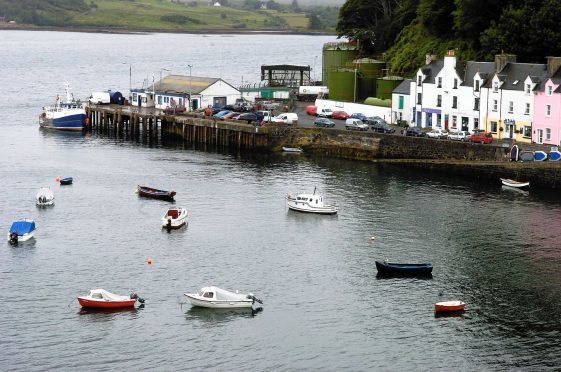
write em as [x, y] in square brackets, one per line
[449, 306]
[148, 192]
[397, 269]
[305, 207]
[554, 155]
[103, 304]
[218, 304]
[74, 122]
[24, 237]
[66, 181]
[175, 218]
[540, 155]
[516, 184]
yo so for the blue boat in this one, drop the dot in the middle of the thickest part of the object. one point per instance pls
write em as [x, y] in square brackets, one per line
[540, 155]
[399, 269]
[21, 231]
[66, 181]
[554, 155]
[64, 115]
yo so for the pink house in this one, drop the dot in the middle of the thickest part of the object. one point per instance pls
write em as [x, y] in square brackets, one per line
[546, 127]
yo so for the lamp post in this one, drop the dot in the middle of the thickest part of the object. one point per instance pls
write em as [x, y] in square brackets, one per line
[190, 85]
[315, 77]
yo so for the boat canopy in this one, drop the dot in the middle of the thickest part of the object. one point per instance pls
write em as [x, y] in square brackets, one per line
[221, 294]
[22, 227]
[102, 294]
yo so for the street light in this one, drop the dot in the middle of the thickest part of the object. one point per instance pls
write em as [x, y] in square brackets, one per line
[190, 86]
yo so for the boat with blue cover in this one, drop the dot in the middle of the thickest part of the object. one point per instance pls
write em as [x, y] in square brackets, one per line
[66, 181]
[398, 269]
[540, 155]
[554, 155]
[21, 231]
[67, 114]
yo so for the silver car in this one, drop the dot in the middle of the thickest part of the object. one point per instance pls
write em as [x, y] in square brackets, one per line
[457, 136]
[355, 124]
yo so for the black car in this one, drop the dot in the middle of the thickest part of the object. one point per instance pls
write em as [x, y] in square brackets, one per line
[415, 132]
[248, 116]
[380, 126]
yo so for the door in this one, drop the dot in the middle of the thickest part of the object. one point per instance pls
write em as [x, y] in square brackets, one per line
[539, 138]
[511, 131]
[219, 101]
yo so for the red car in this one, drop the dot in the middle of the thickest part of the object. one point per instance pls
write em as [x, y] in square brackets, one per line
[340, 115]
[481, 137]
[311, 110]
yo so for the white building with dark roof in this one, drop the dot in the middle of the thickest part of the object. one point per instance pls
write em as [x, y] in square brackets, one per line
[401, 102]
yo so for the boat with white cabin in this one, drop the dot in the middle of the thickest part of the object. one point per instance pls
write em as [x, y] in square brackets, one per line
[309, 203]
[217, 298]
[67, 114]
[174, 218]
[44, 197]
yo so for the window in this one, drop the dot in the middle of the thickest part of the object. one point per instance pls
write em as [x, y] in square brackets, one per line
[528, 88]
[419, 98]
[527, 132]
[495, 86]
[476, 104]
[166, 99]
[510, 107]
[475, 123]
[547, 110]
[401, 99]
[455, 83]
[549, 90]
[494, 126]
[495, 105]
[439, 101]
[477, 85]
[454, 121]
[439, 82]
[419, 80]
[454, 102]
[527, 109]
[159, 100]
[547, 134]
[438, 120]
[134, 95]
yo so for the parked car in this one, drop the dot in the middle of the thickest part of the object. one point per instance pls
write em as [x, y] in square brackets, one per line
[286, 117]
[231, 115]
[324, 122]
[437, 133]
[312, 110]
[324, 112]
[358, 116]
[415, 132]
[481, 137]
[339, 115]
[221, 114]
[247, 116]
[457, 136]
[264, 115]
[381, 126]
[355, 124]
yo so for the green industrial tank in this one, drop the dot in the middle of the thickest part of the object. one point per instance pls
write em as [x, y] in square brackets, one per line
[371, 68]
[342, 86]
[335, 56]
[366, 87]
[386, 85]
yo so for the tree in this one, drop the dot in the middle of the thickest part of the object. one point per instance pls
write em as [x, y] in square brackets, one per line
[314, 22]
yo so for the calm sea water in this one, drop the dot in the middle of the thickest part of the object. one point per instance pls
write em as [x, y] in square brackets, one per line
[324, 308]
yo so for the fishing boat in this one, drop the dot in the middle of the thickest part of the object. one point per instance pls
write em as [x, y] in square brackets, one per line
[540, 155]
[21, 231]
[102, 299]
[67, 114]
[174, 218]
[449, 306]
[44, 197]
[292, 149]
[399, 269]
[512, 183]
[149, 192]
[309, 203]
[217, 298]
[554, 155]
[66, 181]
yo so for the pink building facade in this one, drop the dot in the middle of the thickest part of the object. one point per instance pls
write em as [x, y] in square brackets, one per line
[546, 127]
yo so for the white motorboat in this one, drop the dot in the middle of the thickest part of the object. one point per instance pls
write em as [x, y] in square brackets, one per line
[512, 183]
[174, 218]
[293, 149]
[217, 298]
[45, 197]
[310, 203]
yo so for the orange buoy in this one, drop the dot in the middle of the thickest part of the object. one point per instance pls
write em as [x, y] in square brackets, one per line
[149, 261]
[57, 179]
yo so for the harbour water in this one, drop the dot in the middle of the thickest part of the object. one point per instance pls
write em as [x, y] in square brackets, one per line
[324, 308]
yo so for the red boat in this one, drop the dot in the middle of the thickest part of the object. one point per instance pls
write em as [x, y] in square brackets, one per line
[449, 306]
[149, 192]
[102, 299]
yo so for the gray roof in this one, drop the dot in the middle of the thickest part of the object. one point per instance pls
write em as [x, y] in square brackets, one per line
[404, 87]
[485, 69]
[184, 84]
[519, 72]
[432, 69]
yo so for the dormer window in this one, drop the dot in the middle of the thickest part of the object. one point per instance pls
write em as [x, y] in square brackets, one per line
[495, 86]
[528, 88]
[477, 85]
[549, 90]
[439, 84]
[455, 83]
[515, 82]
[419, 80]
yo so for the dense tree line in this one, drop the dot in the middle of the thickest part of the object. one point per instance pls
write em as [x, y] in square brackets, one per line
[478, 29]
[41, 12]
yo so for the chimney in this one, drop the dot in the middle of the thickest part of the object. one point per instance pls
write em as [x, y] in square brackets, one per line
[429, 58]
[553, 64]
[502, 59]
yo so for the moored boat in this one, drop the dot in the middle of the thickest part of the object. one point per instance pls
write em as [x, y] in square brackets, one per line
[399, 269]
[449, 306]
[309, 203]
[149, 192]
[554, 155]
[21, 231]
[174, 218]
[512, 183]
[44, 197]
[64, 115]
[526, 156]
[292, 149]
[217, 298]
[102, 299]
[66, 181]
[540, 155]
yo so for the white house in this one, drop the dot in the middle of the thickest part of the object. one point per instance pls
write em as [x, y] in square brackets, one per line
[401, 102]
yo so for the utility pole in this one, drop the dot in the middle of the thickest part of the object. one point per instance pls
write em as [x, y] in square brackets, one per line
[190, 85]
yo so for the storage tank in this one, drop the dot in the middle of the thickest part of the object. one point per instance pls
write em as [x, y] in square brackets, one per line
[335, 56]
[115, 97]
[386, 85]
[366, 87]
[371, 68]
[342, 86]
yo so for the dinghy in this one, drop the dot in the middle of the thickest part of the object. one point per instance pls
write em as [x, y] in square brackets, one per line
[449, 306]
[44, 197]
[149, 192]
[514, 151]
[174, 218]
[217, 298]
[102, 299]
[66, 181]
[399, 269]
[540, 155]
[526, 156]
[21, 231]
[512, 183]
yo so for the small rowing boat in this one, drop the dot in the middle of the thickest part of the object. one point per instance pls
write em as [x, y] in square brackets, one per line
[149, 192]
[449, 306]
[292, 149]
[399, 269]
[512, 183]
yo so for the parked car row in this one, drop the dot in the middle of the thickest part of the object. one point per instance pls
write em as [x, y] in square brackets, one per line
[477, 136]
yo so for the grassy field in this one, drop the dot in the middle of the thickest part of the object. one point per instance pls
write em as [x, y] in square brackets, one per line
[164, 15]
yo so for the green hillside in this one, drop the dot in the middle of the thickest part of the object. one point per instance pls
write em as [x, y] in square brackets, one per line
[163, 15]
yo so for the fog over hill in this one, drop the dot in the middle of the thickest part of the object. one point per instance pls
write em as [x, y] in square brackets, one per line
[300, 2]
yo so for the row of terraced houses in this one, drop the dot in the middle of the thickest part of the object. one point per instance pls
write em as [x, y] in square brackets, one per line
[520, 101]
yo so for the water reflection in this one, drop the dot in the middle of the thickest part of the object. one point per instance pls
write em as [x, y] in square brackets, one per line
[410, 276]
[449, 314]
[515, 190]
[107, 315]
[217, 316]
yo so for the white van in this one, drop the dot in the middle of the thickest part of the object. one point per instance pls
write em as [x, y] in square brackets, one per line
[286, 117]
[324, 112]
[100, 98]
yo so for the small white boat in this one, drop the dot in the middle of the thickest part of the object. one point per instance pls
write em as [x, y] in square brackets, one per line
[292, 149]
[45, 197]
[512, 183]
[217, 298]
[174, 218]
[310, 203]
[21, 231]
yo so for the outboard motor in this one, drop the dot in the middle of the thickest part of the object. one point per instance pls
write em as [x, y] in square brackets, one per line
[134, 296]
[14, 238]
[168, 225]
[255, 299]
